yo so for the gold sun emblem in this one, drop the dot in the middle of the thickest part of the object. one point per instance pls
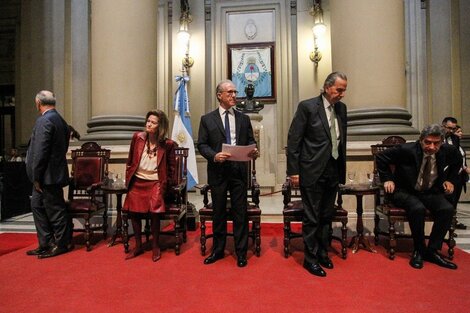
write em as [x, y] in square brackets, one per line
[181, 137]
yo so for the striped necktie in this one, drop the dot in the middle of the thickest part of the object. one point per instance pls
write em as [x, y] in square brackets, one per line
[426, 173]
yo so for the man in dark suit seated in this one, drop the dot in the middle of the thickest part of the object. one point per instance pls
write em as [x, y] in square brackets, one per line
[226, 125]
[424, 175]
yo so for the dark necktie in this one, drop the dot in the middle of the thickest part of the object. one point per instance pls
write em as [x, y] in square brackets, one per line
[426, 173]
[227, 128]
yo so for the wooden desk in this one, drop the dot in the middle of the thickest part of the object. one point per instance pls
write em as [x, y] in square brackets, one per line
[118, 191]
[360, 190]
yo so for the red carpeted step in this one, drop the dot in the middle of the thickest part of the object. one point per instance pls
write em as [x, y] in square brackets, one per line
[10, 242]
[102, 281]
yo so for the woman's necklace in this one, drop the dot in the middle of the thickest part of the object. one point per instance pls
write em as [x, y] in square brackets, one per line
[151, 151]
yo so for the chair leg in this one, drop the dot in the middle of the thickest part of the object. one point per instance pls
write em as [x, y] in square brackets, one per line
[125, 231]
[376, 228]
[88, 233]
[177, 235]
[344, 240]
[257, 232]
[184, 227]
[105, 224]
[451, 241]
[203, 235]
[287, 231]
[393, 240]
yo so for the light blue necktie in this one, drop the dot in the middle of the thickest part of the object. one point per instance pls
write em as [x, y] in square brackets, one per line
[334, 137]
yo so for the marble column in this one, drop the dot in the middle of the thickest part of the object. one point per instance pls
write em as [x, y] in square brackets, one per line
[368, 44]
[123, 67]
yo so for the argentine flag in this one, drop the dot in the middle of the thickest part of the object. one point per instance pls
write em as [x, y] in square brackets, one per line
[182, 131]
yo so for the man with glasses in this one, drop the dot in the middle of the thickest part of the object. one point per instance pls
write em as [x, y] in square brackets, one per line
[226, 125]
[449, 124]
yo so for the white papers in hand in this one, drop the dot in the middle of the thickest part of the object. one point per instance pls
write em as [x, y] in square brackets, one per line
[238, 153]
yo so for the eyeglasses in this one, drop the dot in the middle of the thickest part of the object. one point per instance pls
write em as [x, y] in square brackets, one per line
[231, 92]
[451, 128]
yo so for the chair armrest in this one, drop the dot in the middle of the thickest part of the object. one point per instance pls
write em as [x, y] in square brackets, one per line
[286, 191]
[179, 187]
[205, 188]
[255, 192]
[94, 187]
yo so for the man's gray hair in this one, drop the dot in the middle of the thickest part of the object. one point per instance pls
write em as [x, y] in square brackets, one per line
[46, 97]
[223, 82]
[432, 130]
[331, 79]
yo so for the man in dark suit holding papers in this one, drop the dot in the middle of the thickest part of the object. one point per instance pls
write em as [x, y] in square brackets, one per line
[226, 125]
[421, 175]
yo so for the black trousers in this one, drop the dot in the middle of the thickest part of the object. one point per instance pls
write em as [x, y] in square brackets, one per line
[415, 205]
[318, 202]
[237, 186]
[50, 216]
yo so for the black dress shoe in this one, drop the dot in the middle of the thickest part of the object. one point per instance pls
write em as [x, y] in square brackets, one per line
[437, 259]
[37, 251]
[326, 262]
[214, 257]
[314, 269]
[416, 260]
[241, 261]
[460, 226]
[53, 252]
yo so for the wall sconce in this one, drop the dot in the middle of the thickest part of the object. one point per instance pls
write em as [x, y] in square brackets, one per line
[184, 37]
[318, 30]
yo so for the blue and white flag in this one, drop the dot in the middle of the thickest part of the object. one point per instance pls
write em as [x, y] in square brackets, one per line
[182, 131]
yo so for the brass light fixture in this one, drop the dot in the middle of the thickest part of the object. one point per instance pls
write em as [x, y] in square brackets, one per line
[184, 37]
[318, 29]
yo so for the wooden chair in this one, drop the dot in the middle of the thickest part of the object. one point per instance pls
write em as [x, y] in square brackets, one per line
[176, 201]
[393, 214]
[85, 199]
[293, 211]
[206, 213]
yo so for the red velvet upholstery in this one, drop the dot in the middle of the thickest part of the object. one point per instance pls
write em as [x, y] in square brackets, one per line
[85, 199]
[176, 201]
[393, 214]
[293, 211]
[254, 212]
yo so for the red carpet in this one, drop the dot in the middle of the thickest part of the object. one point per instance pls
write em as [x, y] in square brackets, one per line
[11, 242]
[102, 281]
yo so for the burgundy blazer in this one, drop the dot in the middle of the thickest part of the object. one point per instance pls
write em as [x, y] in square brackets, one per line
[166, 160]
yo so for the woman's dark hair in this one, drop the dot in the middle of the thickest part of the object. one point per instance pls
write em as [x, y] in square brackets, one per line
[163, 124]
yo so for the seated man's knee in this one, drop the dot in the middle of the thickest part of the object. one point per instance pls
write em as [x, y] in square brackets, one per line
[446, 208]
[417, 210]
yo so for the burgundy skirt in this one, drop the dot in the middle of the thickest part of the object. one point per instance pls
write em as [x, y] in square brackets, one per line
[144, 196]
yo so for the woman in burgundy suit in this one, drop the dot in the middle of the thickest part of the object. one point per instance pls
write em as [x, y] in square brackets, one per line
[150, 169]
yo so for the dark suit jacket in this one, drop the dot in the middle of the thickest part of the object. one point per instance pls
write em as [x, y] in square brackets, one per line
[406, 162]
[166, 161]
[46, 160]
[212, 136]
[463, 174]
[309, 141]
